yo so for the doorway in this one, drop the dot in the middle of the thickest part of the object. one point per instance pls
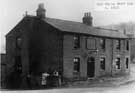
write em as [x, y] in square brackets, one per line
[90, 66]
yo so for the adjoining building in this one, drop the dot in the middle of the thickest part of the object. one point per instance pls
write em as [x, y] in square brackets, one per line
[2, 69]
[132, 46]
[39, 44]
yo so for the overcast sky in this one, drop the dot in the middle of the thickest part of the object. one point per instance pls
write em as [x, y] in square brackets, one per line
[12, 12]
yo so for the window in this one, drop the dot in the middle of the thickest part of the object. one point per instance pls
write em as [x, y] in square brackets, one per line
[91, 43]
[76, 64]
[127, 45]
[102, 43]
[118, 44]
[18, 64]
[18, 42]
[76, 42]
[117, 60]
[102, 63]
[127, 61]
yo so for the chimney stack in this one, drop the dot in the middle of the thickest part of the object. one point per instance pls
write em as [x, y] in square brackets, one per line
[41, 11]
[87, 19]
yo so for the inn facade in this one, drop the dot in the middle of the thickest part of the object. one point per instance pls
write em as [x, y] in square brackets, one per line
[38, 44]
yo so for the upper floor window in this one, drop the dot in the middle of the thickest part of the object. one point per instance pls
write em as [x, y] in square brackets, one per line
[76, 64]
[102, 63]
[127, 61]
[18, 42]
[102, 43]
[118, 44]
[76, 42]
[127, 45]
[91, 43]
[117, 61]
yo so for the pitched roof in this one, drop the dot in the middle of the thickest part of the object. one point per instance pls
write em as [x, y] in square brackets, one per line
[78, 27]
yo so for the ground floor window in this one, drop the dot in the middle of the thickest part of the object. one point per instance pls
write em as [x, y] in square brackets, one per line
[18, 64]
[76, 64]
[117, 60]
[102, 63]
[127, 61]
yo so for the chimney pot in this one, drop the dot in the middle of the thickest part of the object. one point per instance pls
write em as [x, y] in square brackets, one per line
[41, 6]
[41, 11]
[87, 19]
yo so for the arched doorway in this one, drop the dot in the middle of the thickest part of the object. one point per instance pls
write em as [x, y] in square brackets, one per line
[90, 66]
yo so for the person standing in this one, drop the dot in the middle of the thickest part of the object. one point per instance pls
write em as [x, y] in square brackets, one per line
[57, 78]
[28, 79]
[44, 79]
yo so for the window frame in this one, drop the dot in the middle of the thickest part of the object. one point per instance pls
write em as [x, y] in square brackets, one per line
[118, 63]
[18, 64]
[76, 41]
[127, 45]
[118, 44]
[18, 42]
[76, 63]
[103, 66]
[103, 43]
[127, 62]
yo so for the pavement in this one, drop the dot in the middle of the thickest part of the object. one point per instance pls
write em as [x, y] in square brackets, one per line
[106, 81]
[123, 84]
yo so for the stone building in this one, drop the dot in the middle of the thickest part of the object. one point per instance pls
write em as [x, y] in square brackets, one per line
[133, 50]
[76, 50]
[2, 69]
[132, 46]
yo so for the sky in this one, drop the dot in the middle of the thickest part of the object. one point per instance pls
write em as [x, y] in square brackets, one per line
[12, 12]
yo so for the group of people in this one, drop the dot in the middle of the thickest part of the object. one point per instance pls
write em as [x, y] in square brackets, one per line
[47, 79]
[53, 79]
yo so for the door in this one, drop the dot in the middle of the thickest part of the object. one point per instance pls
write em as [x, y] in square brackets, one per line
[90, 66]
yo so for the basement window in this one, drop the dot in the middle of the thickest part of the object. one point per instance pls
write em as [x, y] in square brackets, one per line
[102, 43]
[118, 44]
[127, 61]
[117, 61]
[102, 63]
[76, 64]
[76, 42]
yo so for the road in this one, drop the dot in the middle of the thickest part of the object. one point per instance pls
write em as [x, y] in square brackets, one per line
[126, 88]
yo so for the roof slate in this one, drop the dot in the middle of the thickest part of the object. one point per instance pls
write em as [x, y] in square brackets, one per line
[78, 27]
